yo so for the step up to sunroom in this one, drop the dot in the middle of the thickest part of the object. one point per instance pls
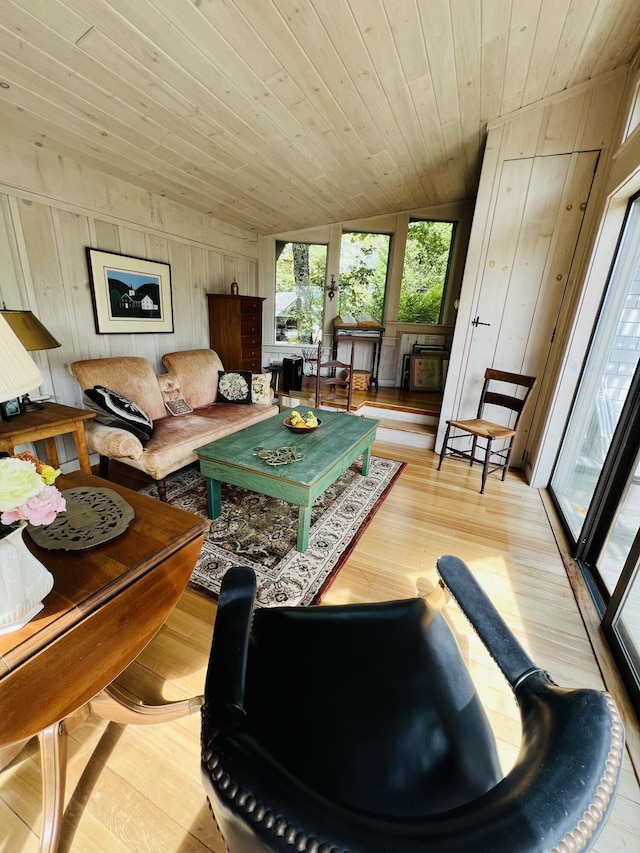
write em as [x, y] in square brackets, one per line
[403, 425]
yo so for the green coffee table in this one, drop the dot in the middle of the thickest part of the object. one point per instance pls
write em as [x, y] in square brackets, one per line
[328, 452]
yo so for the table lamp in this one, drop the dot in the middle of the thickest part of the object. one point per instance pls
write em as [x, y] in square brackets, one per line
[33, 336]
[24, 581]
[19, 373]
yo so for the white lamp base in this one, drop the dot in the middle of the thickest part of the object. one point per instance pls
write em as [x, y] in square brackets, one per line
[24, 582]
[20, 623]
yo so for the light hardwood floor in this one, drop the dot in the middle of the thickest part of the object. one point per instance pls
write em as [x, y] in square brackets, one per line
[138, 788]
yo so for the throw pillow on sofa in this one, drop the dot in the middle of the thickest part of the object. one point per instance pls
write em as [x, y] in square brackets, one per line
[234, 386]
[178, 407]
[261, 389]
[117, 410]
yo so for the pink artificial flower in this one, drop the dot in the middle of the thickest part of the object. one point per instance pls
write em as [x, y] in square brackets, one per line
[38, 509]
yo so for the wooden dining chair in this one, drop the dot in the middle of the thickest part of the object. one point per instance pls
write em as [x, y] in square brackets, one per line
[334, 390]
[476, 430]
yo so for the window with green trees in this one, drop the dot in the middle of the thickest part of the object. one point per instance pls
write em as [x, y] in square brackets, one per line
[364, 260]
[300, 277]
[426, 266]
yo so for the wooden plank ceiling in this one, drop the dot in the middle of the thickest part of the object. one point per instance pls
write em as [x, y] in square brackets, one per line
[281, 114]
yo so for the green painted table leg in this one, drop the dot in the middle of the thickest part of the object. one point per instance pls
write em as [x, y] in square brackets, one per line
[366, 461]
[214, 498]
[304, 523]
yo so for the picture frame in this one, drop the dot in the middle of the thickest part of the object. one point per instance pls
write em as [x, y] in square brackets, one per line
[419, 349]
[425, 372]
[10, 408]
[130, 295]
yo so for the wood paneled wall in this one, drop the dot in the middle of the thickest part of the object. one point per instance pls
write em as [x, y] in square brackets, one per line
[588, 118]
[52, 208]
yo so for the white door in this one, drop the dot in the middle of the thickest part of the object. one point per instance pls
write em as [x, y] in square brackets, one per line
[538, 213]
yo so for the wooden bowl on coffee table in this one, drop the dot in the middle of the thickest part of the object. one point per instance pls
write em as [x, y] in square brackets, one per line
[301, 430]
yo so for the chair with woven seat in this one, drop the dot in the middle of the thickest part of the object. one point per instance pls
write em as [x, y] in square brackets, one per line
[357, 727]
[334, 390]
[472, 430]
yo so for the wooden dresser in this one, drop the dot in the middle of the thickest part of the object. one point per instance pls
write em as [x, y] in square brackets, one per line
[235, 330]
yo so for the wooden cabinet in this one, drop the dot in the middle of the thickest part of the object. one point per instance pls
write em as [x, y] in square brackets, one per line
[235, 330]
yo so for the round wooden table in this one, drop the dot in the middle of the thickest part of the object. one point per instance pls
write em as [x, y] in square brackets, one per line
[106, 604]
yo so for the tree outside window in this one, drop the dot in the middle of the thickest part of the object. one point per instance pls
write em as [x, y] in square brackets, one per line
[426, 266]
[364, 260]
[300, 277]
[301, 270]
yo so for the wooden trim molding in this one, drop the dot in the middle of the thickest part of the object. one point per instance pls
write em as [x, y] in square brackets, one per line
[591, 621]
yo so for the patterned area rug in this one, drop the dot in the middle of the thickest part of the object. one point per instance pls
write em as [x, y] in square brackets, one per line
[259, 531]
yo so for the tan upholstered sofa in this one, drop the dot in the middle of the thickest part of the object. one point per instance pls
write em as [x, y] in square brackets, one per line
[191, 375]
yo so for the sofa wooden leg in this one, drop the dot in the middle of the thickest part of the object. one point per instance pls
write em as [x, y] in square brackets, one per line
[104, 467]
[162, 489]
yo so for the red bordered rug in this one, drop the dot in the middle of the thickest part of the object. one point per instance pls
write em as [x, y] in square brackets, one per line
[260, 532]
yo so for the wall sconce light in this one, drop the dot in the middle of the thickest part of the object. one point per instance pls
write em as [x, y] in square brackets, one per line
[333, 287]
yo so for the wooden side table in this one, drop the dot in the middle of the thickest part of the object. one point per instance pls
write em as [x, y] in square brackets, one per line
[106, 604]
[361, 335]
[43, 425]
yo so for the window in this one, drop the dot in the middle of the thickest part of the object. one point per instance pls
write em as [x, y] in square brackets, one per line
[364, 259]
[300, 277]
[596, 481]
[612, 361]
[426, 267]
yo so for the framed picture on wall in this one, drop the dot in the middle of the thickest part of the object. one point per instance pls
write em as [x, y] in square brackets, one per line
[418, 349]
[130, 295]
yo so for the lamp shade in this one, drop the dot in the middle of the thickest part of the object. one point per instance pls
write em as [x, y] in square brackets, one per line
[29, 330]
[19, 373]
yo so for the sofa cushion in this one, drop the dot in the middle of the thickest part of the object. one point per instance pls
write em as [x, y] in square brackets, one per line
[196, 372]
[178, 407]
[175, 439]
[115, 409]
[234, 386]
[261, 389]
[132, 376]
